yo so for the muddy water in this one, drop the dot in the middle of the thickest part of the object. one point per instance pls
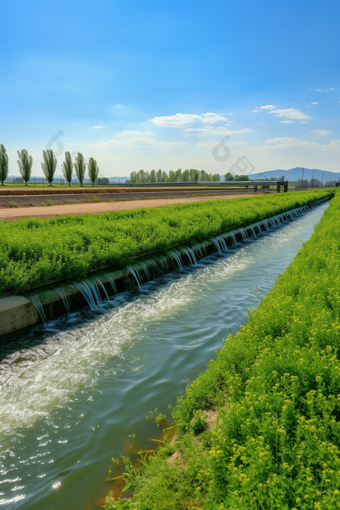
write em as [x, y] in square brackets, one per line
[71, 393]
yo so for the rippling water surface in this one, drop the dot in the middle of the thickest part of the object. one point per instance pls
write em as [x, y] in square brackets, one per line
[72, 392]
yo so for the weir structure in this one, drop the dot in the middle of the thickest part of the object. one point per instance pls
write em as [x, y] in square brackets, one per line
[19, 314]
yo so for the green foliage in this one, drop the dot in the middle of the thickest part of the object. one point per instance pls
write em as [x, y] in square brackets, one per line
[199, 423]
[103, 180]
[3, 164]
[242, 178]
[49, 165]
[191, 175]
[67, 167]
[93, 170]
[80, 167]
[37, 251]
[277, 440]
[25, 163]
[158, 417]
[229, 176]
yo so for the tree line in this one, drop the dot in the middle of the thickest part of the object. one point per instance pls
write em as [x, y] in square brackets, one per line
[49, 166]
[191, 175]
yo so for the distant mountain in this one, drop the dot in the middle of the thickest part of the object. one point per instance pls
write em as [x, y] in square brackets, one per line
[295, 174]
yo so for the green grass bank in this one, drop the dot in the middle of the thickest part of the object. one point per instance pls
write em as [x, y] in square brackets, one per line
[275, 390]
[35, 252]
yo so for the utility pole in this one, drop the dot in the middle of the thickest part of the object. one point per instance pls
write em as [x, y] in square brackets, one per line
[322, 179]
[302, 177]
[313, 180]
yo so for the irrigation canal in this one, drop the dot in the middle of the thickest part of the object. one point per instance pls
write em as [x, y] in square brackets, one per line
[72, 392]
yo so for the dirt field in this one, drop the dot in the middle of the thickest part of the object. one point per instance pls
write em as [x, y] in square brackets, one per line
[75, 209]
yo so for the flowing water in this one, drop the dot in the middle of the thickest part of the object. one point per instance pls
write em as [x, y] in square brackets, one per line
[72, 391]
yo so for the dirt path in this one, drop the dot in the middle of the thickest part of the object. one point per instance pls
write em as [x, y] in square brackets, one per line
[75, 209]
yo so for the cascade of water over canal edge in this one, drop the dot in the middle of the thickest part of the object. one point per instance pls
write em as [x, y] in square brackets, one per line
[72, 391]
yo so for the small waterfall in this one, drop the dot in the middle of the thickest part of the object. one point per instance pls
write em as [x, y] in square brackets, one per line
[135, 273]
[164, 263]
[154, 264]
[60, 291]
[232, 235]
[86, 291]
[113, 284]
[190, 254]
[95, 291]
[243, 234]
[220, 243]
[177, 257]
[266, 224]
[37, 303]
[257, 226]
[252, 230]
[143, 266]
[198, 251]
[217, 245]
[101, 285]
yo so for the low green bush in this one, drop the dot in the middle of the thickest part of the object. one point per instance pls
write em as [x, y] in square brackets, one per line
[276, 384]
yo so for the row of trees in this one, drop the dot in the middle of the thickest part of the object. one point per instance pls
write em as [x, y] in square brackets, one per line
[49, 166]
[191, 175]
[230, 177]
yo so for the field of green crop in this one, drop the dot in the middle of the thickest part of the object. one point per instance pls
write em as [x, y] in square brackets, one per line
[35, 251]
[276, 385]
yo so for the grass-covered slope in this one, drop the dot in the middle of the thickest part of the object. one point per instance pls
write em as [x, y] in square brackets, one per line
[36, 251]
[276, 385]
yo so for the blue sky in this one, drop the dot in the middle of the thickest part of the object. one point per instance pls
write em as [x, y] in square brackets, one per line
[158, 84]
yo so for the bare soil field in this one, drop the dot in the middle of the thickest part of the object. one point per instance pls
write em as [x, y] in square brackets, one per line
[82, 208]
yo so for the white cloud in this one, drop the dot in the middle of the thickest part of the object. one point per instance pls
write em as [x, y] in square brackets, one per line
[268, 107]
[185, 119]
[321, 132]
[314, 102]
[303, 122]
[286, 121]
[221, 130]
[331, 88]
[291, 143]
[324, 90]
[69, 143]
[98, 127]
[291, 113]
[256, 110]
[138, 141]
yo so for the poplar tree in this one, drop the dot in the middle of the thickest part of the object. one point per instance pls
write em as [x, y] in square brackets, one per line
[67, 167]
[3, 164]
[25, 163]
[80, 167]
[49, 165]
[93, 170]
